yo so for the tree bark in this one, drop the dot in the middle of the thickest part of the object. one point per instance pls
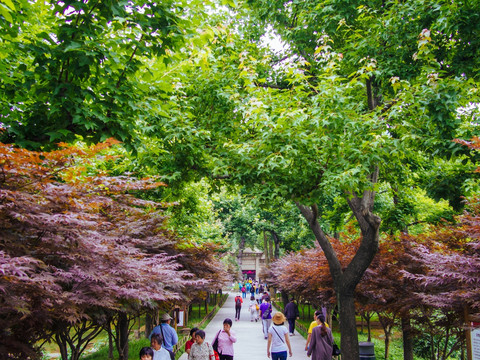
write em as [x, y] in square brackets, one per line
[148, 324]
[407, 339]
[270, 249]
[265, 247]
[367, 315]
[241, 247]
[110, 345]
[122, 336]
[62, 346]
[276, 242]
[348, 326]
[285, 299]
[346, 280]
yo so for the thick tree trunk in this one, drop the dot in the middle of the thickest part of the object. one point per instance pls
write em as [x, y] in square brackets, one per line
[348, 326]
[407, 339]
[122, 336]
[346, 280]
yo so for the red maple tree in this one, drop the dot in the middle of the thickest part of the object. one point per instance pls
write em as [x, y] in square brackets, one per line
[78, 247]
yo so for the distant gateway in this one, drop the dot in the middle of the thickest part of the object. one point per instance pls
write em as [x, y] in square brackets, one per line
[252, 263]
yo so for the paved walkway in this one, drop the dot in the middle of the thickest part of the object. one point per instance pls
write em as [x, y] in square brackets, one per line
[250, 343]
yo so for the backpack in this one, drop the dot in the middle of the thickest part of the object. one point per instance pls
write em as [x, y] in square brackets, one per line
[238, 301]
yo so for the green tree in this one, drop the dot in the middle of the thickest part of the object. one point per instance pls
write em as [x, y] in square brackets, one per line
[86, 68]
[364, 94]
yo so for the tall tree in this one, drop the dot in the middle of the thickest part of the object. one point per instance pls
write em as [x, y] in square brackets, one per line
[360, 97]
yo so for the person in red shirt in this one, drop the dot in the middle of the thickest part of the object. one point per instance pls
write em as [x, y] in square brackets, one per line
[191, 341]
[238, 306]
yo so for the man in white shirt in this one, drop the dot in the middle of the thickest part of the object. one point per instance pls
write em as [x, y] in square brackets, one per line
[159, 352]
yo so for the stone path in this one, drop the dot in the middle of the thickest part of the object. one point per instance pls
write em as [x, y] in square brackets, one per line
[250, 343]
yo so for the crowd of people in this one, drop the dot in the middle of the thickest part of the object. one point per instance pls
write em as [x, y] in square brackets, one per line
[319, 344]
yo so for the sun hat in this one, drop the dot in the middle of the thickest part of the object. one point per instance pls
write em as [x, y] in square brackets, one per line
[166, 317]
[278, 318]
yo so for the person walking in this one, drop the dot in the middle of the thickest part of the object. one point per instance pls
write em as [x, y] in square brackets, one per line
[292, 314]
[278, 340]
[238, 306]
[321, 343]
[266, 315]
[314, 324]
[226, 338]
[169, 335]
[201, 350]
[253, 307]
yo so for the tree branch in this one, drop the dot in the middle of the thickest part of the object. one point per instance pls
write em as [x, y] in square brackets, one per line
[272, 86]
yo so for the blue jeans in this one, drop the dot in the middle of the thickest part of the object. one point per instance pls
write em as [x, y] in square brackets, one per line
[279, 356]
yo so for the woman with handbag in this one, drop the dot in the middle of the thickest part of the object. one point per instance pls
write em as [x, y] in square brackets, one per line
[278, 338]
[321, 343]
[224, 340]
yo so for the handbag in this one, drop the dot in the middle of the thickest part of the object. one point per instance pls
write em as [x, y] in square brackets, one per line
[335, 350]
[215, 355]
[215, 343]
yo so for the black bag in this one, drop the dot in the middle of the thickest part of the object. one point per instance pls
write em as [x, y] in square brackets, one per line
[335, 350]
[215, 342]
[267, 312]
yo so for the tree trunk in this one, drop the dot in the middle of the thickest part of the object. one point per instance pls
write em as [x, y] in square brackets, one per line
[348, 326]
[270, 249]
[407, 339]
[367, 315]
[276, 242]
[122, 336]
[388, 338]
[265, 247]
[345, 280]
[62, 346]
[110, 344]
[284, 298]
[241, 247]
[148, 324]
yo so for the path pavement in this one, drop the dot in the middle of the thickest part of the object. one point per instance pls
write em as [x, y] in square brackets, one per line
[250, 343]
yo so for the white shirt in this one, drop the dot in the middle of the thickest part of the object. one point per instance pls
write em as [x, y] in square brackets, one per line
[161, 354]
[278, 338]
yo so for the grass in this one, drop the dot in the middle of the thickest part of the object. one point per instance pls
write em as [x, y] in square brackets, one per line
[99, 347]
